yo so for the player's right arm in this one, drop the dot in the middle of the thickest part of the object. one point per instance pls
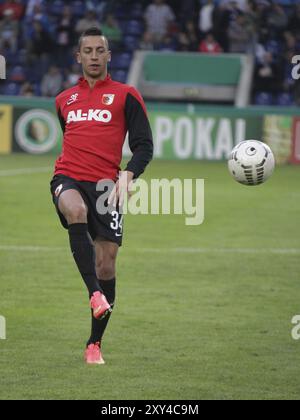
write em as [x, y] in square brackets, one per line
[60, 116]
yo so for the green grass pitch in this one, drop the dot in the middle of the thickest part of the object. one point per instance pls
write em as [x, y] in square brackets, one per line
[202, 312]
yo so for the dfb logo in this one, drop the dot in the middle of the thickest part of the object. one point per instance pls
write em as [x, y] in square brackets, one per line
[296, 69]
[296, 329]
[2, 67]
[2, 328]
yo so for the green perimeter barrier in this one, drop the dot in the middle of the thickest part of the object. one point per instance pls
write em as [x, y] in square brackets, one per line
[192, 68]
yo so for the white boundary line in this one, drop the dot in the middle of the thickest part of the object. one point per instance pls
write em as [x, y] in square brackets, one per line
[21, 248]
[220, 250]
[254, 251]
[25, 171]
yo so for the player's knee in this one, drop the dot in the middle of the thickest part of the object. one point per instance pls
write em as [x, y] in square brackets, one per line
[107, 270]
[76, 214]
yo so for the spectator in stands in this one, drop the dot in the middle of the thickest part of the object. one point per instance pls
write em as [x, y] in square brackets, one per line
[183, 42]
[262, 8]
[65, 35]
[88, 21]
[64, 30]
[277, 19]
[268, 74]
[294, 22]
[209, 45]
[111, 30]
[188, 39]
[241, 35]
[288, 81]
[15, 6]
[192, 36]
[52, 82]
[9, 29]
[239, 4]
[27, 90]
[222, 19]
[297, 92]
[188, 9]
[158, 18]
[290, 42]
[38, 15]
[206, 23]
[72, 76]
[168, 43]
[31, 6]
[146, 42]
[40, 43]
[251, 14]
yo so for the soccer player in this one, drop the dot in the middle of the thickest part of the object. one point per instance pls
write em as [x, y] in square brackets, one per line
[95, 116]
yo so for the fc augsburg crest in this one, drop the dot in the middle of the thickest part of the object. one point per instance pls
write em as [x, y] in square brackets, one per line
[108, 99]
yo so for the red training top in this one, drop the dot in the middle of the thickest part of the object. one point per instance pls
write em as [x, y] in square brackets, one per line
[95, 122]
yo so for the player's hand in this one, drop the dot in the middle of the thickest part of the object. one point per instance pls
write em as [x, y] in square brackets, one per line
[122, 187]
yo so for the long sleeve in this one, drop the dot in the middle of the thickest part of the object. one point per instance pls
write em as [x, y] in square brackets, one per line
[140, 134]
[60, 117]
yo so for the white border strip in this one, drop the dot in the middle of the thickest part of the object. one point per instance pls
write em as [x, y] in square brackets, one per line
[255, 251]
[221, 250]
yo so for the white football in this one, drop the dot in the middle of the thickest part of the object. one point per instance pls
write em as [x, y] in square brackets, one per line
[251, 162]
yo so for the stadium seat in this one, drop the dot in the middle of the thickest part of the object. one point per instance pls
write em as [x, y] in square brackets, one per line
[263, 98]
[131, 43]
[121, 61]
[132, 27]
[78, 8]
[273, 47]
[56, 7]
[284, 99]
[119, 76]
[17, 74]
[121, 12]
[11, 89]
[136, 11]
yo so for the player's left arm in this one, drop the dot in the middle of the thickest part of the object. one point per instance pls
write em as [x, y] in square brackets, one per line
[140, 143]
[140, 133]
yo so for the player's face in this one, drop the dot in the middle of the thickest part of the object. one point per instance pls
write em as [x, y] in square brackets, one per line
[94, 56]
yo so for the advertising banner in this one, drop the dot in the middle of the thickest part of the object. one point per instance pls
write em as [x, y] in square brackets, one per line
[5, 129]
[296, 141]
[36, 131]
[180, 131]
[203, 137]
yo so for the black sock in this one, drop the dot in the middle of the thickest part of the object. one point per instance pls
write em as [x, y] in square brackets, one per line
[83, 253]
[99, 326]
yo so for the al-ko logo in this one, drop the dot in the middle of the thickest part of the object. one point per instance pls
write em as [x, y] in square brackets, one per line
[36, 131]
[2, 67]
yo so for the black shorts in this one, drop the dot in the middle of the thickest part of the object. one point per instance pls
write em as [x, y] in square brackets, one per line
[108, 226]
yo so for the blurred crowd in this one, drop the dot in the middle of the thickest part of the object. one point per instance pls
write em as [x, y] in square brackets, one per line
[39, 38]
